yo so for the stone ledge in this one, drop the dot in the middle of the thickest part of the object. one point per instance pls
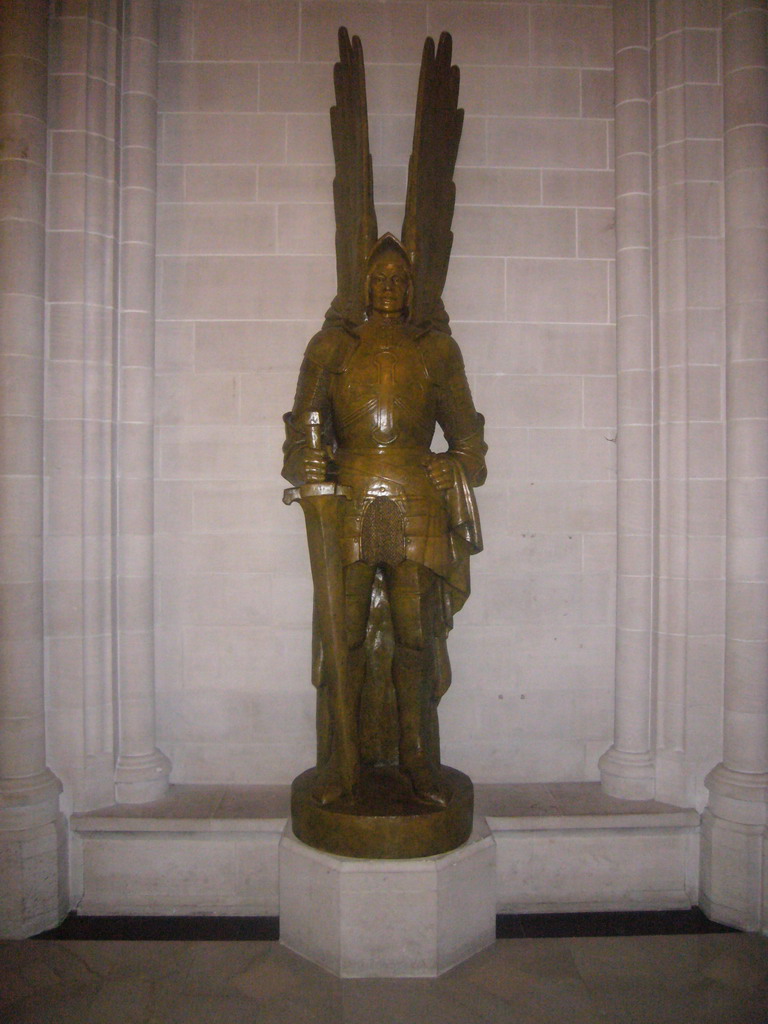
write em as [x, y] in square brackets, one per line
[558, 806]
[568, 847]
[214, 850]
[195, 808]
[506, 806]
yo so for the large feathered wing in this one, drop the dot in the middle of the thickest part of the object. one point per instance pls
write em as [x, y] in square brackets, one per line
[427, 235]
[356, 230]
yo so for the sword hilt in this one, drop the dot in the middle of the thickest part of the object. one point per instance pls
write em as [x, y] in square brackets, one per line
[312, 422]
[324, 489]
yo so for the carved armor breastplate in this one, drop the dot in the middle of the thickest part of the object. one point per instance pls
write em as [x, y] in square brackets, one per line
[384, 397]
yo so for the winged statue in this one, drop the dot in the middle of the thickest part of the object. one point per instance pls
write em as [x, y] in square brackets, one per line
[391, 523]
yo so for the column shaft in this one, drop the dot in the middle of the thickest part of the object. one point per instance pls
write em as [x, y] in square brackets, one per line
[81, 297]
[142, 770]
[28, 790]
[689, 416]
[33, 874]
[734, 843]
[627, 768]
[746, 210]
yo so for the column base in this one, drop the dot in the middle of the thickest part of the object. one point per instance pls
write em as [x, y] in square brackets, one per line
[628, 776]
[34, 892]
[388, 918]
[34, 889]
[734, 849]
[141, 778]
[30, 801]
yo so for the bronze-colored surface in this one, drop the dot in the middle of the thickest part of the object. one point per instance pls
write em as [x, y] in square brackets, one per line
[323, 506]
[390, 523]
[384, 820]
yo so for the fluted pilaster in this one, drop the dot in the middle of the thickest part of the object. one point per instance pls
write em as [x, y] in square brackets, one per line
[31, 848]
[142, 770]
[734, 846]
[627, 769]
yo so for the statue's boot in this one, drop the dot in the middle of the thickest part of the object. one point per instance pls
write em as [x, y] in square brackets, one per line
[414, 708]
[335, 780]
[329, 786]
[427, 784]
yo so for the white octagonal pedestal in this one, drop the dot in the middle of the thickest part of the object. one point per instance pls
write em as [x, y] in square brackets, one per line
[388, 918]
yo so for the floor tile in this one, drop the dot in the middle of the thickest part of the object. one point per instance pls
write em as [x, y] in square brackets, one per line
[65, 1007]
[667, 979]
[403, 1002]
[663, 979]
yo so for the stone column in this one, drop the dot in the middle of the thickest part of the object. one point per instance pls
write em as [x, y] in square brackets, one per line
[79, 370]
[689, 385]
[32, 857]
[627, 769]
[734, 846]
[142, 771]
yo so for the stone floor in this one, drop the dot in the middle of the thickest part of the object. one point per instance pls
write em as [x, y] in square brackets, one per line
[647, 979]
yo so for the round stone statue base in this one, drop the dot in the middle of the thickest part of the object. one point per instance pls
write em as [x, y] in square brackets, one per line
[385, 819]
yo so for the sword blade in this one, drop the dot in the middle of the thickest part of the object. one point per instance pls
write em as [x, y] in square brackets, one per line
[322, 505]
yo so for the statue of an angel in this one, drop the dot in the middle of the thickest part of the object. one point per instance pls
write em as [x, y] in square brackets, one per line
[391, 524]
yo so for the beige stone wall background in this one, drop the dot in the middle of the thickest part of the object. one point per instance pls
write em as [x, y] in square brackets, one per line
[245, 272]
[119, 641]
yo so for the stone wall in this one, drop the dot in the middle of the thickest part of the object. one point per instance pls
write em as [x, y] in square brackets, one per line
[166, 251]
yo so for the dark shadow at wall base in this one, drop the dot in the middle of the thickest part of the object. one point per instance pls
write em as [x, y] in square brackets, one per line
[267, 929]
[606, 923]
[168, 929]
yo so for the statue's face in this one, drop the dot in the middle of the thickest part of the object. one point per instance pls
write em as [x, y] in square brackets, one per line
[388, 282]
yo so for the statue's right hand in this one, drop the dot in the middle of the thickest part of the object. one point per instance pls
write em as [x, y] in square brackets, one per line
[315, 466]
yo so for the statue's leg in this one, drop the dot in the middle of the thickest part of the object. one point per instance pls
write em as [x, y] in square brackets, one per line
[413, 595]
[358, 583]
[379, 730]
[358, 580]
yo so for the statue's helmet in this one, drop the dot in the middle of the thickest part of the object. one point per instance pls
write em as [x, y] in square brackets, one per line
[388, 247]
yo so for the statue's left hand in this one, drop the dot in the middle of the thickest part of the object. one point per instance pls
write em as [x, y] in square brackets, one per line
[441, 470]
